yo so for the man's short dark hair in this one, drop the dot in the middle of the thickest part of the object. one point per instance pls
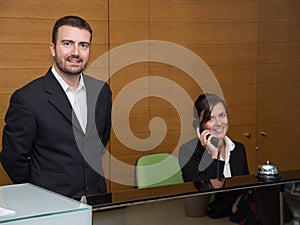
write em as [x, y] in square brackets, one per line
[73, 21]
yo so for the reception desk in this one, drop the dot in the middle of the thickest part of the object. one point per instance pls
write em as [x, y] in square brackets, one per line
[29, 204]
[33, 205]
[138, 196]
[135, 197]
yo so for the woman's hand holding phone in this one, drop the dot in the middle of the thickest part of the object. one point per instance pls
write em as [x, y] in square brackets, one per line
[208, 141]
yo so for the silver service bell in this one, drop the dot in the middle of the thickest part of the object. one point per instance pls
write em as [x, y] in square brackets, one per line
[267, 172]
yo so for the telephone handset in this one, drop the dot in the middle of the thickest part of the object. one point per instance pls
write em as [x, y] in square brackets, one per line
[214, 141]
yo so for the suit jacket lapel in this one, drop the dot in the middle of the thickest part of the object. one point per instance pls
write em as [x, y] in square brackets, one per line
[93, 89]
[91, 105]
[59, 99]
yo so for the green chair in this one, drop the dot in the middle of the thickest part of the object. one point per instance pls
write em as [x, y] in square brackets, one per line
[163, 169]
[157, 169]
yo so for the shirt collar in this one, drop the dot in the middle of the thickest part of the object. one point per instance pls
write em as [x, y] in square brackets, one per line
[63, 84]
[229, 143]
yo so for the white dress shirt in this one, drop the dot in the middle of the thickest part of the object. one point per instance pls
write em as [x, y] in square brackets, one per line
[76, 97]
[229, 147]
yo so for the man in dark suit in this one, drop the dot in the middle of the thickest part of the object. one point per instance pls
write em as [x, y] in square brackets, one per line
[58, 125]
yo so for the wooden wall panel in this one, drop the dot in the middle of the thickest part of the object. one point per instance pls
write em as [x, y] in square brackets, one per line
[91, 10]
[278, 73]
[286, 92]
[242, 115]
[291, 157]
[130, 10]
[279, 10]
[37, 56]
[239, 133]
[224, 35]
[20, 30]
[278, 112]
[227, 54]
[125, 32]
[128, 22]
[204, 11]
[4, 179]
[233, 98]
[285, 32]
[278, 83]
[4, 101]
[253, 54]
[188, 33]
[17, 78]
[38, 30]
[286, 52]
[176, 75]
[233, 75]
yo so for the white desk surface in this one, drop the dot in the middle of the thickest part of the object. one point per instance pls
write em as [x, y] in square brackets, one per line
[29, 201]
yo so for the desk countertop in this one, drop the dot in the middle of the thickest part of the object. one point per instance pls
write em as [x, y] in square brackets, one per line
[144, 195]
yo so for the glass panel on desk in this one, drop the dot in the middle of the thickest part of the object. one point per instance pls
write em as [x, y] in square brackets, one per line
[29, 201]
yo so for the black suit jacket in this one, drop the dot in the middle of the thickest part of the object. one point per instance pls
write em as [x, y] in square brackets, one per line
[192, 152]
[44, 144]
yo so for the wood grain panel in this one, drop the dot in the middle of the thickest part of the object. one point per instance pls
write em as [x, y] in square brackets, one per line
[128, 74]
[287, 165]
[183, 80]
[279, 146]
[279, 73]
[202, 10]
[278, 93]
[168, 144]
[226, 54]
[139, 120]
[12, 79]
[235, 74]
[122, 32]
[38, 31]
[90, 10]
[279, 133]
[1, 130]
[252, 47]
[116, 187]
[205, 33]
[278, 11]
[281, 153]
[278, 32]
[239, 133]
[278, 83]
[119, 149]
[29, 30]
[141, 106]
[277, 112]
[130, 10]
[242, 115]
[4, 179]
[233, 96]
[4, 102]
[279, 53]
[35, 55]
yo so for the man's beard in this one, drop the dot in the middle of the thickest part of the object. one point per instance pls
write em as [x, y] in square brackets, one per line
[64, 69]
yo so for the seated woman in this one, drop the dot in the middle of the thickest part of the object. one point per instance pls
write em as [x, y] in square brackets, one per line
[212, 155]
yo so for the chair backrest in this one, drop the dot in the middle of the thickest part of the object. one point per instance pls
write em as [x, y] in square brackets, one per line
[157, 169]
